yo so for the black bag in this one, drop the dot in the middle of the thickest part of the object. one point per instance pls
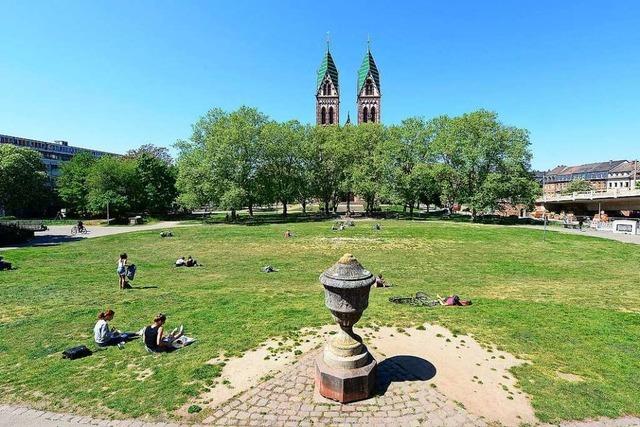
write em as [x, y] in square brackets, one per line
[131, 271]
[76, 352]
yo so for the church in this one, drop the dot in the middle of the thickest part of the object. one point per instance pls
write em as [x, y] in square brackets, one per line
[328, 91]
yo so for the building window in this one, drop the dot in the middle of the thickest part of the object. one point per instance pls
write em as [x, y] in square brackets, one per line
[323, 116]
[365, 112]
[373, 114]
[368, 87]
[330, 115]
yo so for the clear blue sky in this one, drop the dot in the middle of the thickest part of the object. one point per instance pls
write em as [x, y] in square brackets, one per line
[113, 75]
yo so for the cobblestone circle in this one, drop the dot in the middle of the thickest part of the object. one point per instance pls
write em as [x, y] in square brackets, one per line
[288, 399]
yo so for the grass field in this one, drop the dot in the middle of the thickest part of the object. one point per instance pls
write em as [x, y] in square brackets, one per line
[568, 304]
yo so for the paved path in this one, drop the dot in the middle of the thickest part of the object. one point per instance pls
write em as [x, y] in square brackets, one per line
[57, 234]
[626, 238]
[288, 399]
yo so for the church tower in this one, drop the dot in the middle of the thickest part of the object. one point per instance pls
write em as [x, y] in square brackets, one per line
[327, 92]
[368, 90]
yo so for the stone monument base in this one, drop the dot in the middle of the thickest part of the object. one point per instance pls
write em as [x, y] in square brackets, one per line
[345, 385]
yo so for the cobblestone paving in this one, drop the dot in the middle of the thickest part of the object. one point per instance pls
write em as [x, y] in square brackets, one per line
[402, 398]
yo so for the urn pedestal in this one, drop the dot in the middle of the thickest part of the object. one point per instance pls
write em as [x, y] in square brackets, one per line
[345, 370]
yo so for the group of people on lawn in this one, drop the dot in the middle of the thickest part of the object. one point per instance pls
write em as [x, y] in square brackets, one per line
[152, 335]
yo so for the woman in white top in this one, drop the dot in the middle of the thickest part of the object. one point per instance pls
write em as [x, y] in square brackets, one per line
[122, 269]
[104, 335]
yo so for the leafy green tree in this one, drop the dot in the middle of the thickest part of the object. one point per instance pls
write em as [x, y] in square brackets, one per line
[72, 182]
[327, 163]
[413, 181]
[157, 183]
[484, 163]
[114, 181]
[371, 174]
[280, 170]
[22, 179]
[222, 159]
[577, 185]
[160, 153]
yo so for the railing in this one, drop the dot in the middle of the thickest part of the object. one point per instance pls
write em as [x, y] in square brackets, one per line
[590, 195]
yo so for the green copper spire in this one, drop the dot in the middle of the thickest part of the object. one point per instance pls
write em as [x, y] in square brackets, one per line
[368, 67]
[327, 66]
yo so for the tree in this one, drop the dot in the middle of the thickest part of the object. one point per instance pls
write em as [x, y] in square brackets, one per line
[371, 174]
[72, 182]
[223, 154]
[577, 185]
[484, 163]
[114, 181]
[22, 179]
[413, 180]
[280, 166]
[160, 153]
[157, 183]
[327, 162]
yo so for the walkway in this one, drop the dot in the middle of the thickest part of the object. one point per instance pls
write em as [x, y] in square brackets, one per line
[57, 234]
[288, 399]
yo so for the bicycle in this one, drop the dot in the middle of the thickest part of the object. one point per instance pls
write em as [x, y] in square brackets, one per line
[75, 230]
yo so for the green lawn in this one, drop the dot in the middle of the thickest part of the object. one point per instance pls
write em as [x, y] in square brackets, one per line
[568, 304]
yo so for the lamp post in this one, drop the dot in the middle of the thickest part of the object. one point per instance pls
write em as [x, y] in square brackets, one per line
[345, 371]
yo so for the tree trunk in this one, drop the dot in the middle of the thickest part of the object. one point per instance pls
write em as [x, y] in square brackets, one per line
[284, 208]
[404, 208]
[411, 210]
[233, 215]
[326, 206]
[473, 214]
[251, 210]
[304, 206]
[348, 201]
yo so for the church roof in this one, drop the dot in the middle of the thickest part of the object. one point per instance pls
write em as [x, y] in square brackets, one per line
[368, 67]
[327, 66]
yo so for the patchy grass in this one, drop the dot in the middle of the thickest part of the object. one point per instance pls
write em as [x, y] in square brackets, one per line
[569, 304]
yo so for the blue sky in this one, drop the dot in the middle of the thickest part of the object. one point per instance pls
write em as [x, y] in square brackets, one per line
[113, 75]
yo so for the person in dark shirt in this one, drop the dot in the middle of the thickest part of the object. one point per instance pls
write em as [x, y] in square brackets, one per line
[154, 338]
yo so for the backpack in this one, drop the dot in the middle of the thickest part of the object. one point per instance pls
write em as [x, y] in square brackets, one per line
[131, 271]
[76, 352]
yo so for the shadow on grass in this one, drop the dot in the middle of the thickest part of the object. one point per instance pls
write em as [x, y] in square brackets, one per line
[403, 368]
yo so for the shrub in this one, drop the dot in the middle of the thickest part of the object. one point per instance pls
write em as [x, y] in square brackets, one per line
[11, 234]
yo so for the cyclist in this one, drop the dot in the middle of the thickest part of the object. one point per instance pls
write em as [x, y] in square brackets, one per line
[81, 228]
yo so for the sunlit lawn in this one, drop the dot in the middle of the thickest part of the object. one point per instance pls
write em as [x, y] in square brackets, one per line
[567, 304]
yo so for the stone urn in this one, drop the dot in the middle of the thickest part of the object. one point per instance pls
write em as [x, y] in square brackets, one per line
[345, 371]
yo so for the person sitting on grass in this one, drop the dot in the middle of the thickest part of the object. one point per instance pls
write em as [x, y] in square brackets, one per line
[105, 336]
[122, 270]
[376, 226]
[154, 338]
[4, 265]
[334, 227]
[191, 262]
[287, 234]
[381, 283]
[180, 262]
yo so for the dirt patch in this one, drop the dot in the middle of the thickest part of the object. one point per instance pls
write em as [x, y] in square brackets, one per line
[569, 377]
[468, 374]
[477, 377]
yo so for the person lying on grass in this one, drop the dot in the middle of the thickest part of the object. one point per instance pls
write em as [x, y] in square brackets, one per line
[105, 336]
[191, 262]
[154, 338]
[180, 262]
[453, 300]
